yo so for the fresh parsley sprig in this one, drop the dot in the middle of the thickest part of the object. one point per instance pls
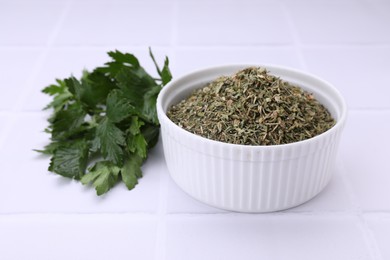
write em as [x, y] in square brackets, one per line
[104, 124]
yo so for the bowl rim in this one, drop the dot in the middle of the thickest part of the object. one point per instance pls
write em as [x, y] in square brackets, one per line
[335, 128]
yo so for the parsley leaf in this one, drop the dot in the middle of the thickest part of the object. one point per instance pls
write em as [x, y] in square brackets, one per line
[150, 134]
[60, 93]
[91, 90]
[131, 171]
[141, 91]
[111, 140]
[165, 73]
[103, 175]
[118, 107]
[55, 89]
[135, 125]
[49, 149]
[70, 159]
[103, 124]
[136, 142]
[67, 121]
[120, 61]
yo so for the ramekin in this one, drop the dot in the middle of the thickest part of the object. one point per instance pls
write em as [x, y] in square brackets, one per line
[247, 178]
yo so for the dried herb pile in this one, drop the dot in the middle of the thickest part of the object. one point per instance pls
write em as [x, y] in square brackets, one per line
[252, 107]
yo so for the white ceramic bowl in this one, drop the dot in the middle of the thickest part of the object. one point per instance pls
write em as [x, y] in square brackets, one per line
[248, 178]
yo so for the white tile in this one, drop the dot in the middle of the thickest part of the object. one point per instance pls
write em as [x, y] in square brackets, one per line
[335, 23]
[265, 236]
[380, 227]
[4, 121]
[360, 73]
[365, 150]
[27, 186]
[334, 197]
[189, 59]
[253, 2]
[231, 23]
[16, 68]
[29, 22]
[77, 237]
[126, 1]
[312, 2]
[179, 201]
[5, 124]
[62, 63]
[107, 23]
[382, 7]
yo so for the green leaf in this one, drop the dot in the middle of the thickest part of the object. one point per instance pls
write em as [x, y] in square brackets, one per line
[103, 175]
[137, 144]
[151, 133]
[134, 83]
[118, 107]
[135, 125]
[120, 61]
[60, 101]
[131, 171]
[67, 121]
[98, 86]
[61, 95]
[149, 106]
[95, 145]
[70, 159]
[110, 140]
[126, 59]
[74, 87]
[91, 90]
[165, 73]
[55, 89]
[154, 61]
[50, 148]
[108, 115]
[141, 90]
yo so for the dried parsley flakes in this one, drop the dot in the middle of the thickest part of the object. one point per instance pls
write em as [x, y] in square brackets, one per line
[252, 107]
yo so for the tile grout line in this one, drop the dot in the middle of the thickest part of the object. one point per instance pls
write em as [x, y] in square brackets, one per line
[200, 46]
[41, 59]
[174, 31]
[369, 109]
[352, 109]
[161, 241]
[161, 230]
[296, 41]
[174, 20]
[135, 214]
[368, 236]
[184, 214]
[17, 108]
[9, 123]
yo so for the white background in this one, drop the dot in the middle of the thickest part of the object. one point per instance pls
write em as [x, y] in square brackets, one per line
[44, 216]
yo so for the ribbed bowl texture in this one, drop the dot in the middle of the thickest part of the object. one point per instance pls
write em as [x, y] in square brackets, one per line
[247, 178]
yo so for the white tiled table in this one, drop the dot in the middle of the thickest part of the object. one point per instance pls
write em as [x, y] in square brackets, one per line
[44, 216]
